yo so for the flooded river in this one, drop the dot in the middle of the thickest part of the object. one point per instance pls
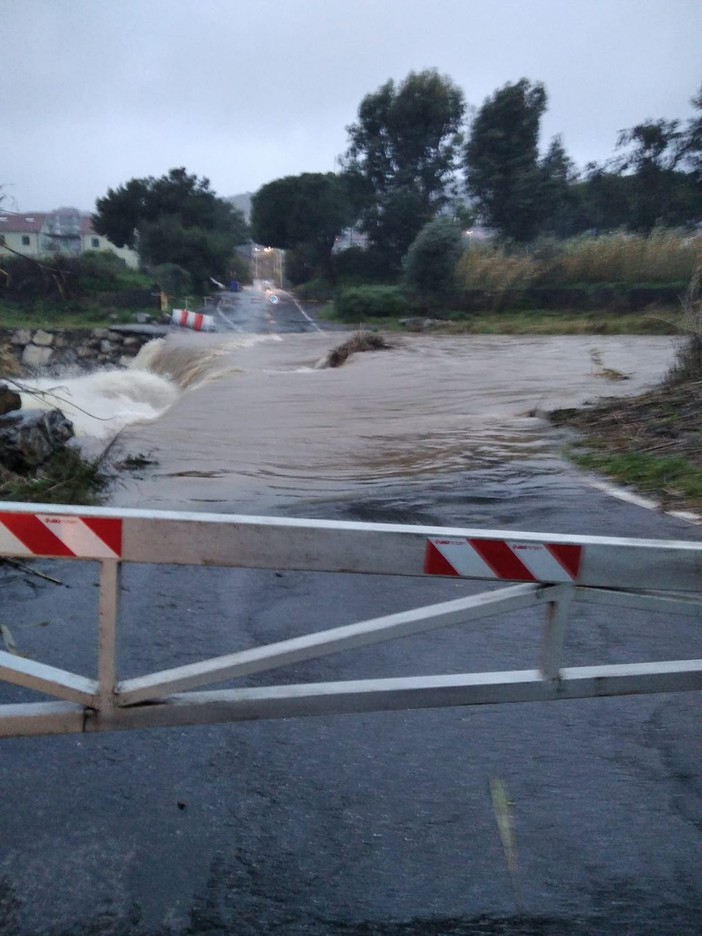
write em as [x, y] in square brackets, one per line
[252, 423]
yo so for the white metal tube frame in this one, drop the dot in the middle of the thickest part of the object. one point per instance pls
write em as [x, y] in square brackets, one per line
[537, 569]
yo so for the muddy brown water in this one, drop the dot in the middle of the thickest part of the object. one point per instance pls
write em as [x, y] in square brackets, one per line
[257, 424]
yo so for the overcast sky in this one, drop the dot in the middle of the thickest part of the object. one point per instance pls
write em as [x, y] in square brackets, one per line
[96, 92]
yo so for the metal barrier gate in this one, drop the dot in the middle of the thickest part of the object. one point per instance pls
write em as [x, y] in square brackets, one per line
[553, 571]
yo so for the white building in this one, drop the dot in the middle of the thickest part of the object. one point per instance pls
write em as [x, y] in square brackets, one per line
[65, 230]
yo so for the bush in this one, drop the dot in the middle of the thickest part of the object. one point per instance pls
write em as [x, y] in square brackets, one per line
[430, 264]
[96, 271]
[366, 302]
[617, 272]
[172, 279]
[29, 279]
[316, 290]
[359, 264]
[62, 277]
[67, 478]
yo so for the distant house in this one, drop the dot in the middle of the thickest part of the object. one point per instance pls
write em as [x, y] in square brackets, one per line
[65, 230]
[21, 233]
[351, 237]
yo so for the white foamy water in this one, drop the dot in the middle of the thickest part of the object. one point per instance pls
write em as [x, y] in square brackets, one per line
[103, 403]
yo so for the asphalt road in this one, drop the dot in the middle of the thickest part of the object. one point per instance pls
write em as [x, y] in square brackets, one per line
[263, 312]
[360, 824]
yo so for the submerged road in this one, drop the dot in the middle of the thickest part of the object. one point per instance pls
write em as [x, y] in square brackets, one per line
[259, 311]
[360, 824]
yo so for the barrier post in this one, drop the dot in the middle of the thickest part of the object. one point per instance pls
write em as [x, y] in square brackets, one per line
[554, 636]
[110, 574]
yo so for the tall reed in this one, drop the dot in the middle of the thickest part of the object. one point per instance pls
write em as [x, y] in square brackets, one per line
[663, 257]
[495, 268]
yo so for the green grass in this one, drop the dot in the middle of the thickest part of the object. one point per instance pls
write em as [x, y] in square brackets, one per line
[665, 322]
[71, 315]
[566, 323]
[668, 476]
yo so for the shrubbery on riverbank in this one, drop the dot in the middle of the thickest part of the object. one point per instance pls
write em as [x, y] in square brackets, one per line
[67, 478]
[88, 289]
[612, 275]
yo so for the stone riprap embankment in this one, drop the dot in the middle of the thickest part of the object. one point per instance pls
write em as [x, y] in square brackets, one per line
[39, 349]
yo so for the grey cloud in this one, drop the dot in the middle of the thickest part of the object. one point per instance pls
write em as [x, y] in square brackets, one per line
[94, 93]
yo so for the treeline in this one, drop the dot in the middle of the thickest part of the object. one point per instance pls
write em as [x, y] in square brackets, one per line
[413, 156]
[416, 157]
[443, 275]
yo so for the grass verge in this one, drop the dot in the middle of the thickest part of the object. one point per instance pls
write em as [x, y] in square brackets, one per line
[673, 480]
[72, 316]
[652, 441]
[544, 322]
[665, 322]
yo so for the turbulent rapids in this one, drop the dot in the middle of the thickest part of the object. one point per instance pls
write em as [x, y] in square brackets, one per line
[102, 404]
[230, 421]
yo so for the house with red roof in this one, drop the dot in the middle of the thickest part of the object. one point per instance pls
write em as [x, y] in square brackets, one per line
[65, 230]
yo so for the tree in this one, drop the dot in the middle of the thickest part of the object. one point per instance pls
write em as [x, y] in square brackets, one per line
[662, 159]
[304, 213]
[431, 261]
[202, 253]
[403, 155]
[691, 149]
[605, 198]
[501, 156]
[655, 146]
[653, 155]
[174, 219]
[560, 208]
[120, 212]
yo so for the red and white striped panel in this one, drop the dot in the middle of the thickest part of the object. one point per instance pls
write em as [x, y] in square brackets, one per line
[198, 321]
[502, 559]
[54, 536]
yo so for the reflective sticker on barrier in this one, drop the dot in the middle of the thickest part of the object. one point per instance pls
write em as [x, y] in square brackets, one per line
[60, 537]
[502, 559]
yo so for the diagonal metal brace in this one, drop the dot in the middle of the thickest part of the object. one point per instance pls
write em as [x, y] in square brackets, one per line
[311, 646]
